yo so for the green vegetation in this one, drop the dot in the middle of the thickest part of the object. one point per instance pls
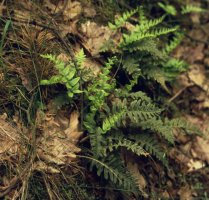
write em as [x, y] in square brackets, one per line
[123, 107]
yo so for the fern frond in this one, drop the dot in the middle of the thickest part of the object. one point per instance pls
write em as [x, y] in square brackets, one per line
[120, 21]
[138, 95]
[151, 145]
[147, 24]
[137, 36]
[191, 8]
[112, 169]
[168, 8]
[131, 65]
[148, 46]
[174, 67]
[127, 144]
[157, 125]
[182, 124]
[142, 17]
[80, 58]
[97, 142]
[66, 75]
[136, 110]
[111, 121]
[140, 110]
[173, 43]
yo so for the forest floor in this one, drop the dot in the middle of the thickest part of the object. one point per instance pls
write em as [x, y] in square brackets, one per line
[29, 30]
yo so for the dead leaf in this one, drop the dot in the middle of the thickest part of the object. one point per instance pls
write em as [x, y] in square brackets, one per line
[9, 138]
[197, 75]
[95, 36]
[190, 54]
[185, 193]
[89, 11]
[43, 167]
[58, 145]
[69, 9]
[201, 148]
[195, 165]
[72, 9]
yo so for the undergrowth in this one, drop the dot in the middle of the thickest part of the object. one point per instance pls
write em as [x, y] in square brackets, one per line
[117, 116]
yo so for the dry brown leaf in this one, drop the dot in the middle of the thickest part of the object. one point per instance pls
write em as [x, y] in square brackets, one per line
[9, 138]
[201, 148]
[197, 75]
[206, 61]
[195, 165]
[69, 9]
[95, 36]
[190, 54]
[43, 167]
[185, 193]
[58, 145]
[72, 9]
[89, 11]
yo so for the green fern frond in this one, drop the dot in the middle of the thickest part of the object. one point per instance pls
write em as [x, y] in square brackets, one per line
[157, 125]
[120, 21]
[148, 46]
[191, 8]
[112, 169]
[150, 144]
[131, 65]
[158, 75]
[111, 121]
[141, 110]
[173, 43]
[182, 124]
[168, 8]
[147, 24]
[96, 141]
[136, 110]
[66, 75]
[127, 144]
[174, 67]
[137, 36]
[138, 95]
[80, 58]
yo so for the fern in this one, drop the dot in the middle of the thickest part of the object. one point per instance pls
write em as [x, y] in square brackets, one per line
[157, 125]
[100, 87]
[122, 19]
[112, 169]
[168, 8]
[136, 36]
[66, 75]
[117, 141]
[145, 25]
[173, 67]
[150, 144]
[173, 43]
[191, 8]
